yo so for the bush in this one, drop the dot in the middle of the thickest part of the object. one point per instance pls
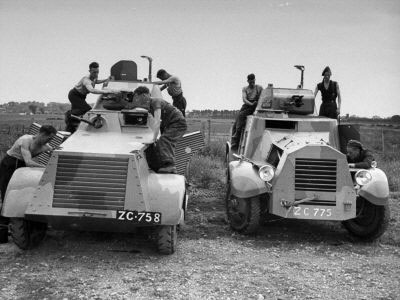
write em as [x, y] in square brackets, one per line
[215, 150]
[205, 171]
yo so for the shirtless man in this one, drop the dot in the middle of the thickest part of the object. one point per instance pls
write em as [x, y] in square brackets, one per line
[174, 87]
[77, 95]
[20, 155]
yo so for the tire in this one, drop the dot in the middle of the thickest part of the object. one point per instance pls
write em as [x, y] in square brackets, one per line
[371, 220]
[27, 234]
[166, 239]
[244, 214]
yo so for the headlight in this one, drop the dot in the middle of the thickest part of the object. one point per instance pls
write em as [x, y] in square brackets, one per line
[266, 172]
[363, 177]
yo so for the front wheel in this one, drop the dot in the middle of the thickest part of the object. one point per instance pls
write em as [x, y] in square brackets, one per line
[371, 220]
[244, 214]
[166, 239]
[27, 234]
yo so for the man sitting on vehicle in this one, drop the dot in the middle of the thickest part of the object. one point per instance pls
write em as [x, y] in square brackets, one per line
[250, 96]
[169, 121]
[20, 155]
[358, 156]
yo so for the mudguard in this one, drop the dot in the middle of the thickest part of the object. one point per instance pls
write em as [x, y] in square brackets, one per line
[20, 191]
[245, 181]
[167, 195]
[376, 191]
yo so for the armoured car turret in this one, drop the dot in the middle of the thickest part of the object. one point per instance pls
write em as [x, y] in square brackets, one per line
[99, 178]
[292, 164]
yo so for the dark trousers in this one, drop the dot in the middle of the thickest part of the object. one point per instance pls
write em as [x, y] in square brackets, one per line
[79, 107]
[240, 123]
[180, 103]
[328, 109]
[163, 153]
[8, 166]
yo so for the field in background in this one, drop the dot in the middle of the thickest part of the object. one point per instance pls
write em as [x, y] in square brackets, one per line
[382, 140]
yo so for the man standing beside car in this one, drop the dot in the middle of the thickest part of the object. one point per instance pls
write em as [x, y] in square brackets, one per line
[20, 155]
[174, 88]
[250, 96]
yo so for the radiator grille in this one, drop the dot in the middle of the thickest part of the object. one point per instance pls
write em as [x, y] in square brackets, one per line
[315, 175]
[90, 182]
[188, 145]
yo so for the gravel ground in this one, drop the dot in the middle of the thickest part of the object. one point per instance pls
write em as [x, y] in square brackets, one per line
[286, 259]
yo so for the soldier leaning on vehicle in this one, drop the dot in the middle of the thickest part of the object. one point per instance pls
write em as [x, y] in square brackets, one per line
[77, 96]
[329, 91]
[171, 124]
[358, 156]
[250, 96]
[174, 88]
[20, 155]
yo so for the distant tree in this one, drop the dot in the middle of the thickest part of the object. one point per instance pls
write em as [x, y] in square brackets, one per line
[395, 118]
[33, 108]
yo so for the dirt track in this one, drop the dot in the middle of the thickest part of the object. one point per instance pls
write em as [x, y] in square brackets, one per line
[285, 260]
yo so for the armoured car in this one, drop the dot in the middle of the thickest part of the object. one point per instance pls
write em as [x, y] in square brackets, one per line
[292, 164]
[99, 178]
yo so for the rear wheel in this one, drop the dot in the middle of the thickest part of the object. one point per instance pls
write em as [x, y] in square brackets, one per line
[27, 234]
[371, 220]
[244, 214]
[166, 239]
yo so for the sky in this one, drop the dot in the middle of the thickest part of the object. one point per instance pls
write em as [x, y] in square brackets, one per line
[47, 45]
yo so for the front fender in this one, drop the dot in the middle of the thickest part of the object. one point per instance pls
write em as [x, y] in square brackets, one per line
[245, 181]
[376, 191]
[20, 191]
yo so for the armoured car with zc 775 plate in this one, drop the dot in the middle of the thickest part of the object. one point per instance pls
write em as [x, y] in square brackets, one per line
[292, 164]
[99, 178]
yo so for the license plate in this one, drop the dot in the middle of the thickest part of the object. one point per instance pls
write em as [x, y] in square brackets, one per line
[139, 217]
[302, 211]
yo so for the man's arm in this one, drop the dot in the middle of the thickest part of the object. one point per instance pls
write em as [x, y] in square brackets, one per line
[27, 156]
[87, 83]
[157, 121]
[316, 91]
[99, 81]
[339, 98]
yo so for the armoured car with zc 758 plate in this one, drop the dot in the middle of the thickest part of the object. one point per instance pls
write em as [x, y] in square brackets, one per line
[292, 164]
[98, 179]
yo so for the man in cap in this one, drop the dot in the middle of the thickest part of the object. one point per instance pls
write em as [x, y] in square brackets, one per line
[250, 96]
[174, 88]
[358, 156]
[329, 91]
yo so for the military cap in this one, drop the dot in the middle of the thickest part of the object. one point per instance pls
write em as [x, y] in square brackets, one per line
[327, 69]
